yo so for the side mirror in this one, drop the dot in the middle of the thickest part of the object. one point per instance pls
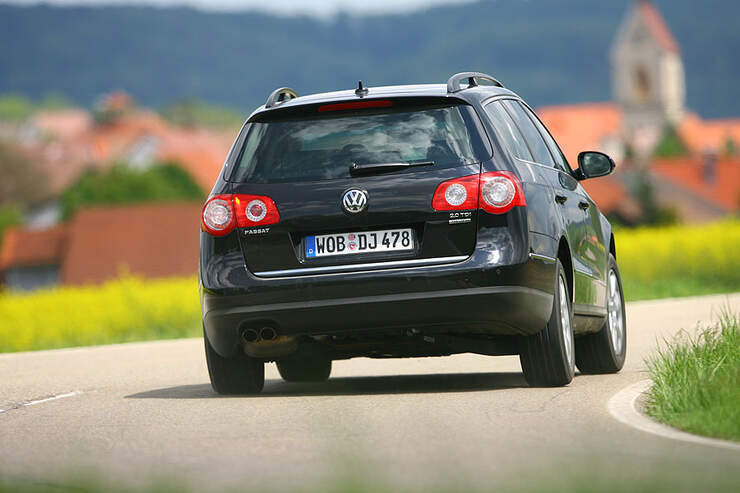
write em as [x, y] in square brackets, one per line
[592, 164]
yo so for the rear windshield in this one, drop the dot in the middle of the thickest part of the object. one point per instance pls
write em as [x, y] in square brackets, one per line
[323, 148]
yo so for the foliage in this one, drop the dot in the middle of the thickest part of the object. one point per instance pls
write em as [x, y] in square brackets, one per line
[549, 51]
[194, 113]
[696, 381]
[129, 309]
[679, 260]
[15, 107]
[730, 149]
[671, 145]
[54, 101]
[9, 216]
[653, 214]
[133, 309]
[23, 181]
[124, 185]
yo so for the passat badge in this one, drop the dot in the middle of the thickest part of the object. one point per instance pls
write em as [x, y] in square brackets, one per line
[354, 201]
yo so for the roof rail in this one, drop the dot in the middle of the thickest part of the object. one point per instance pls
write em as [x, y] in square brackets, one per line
[279, 96]
[453, 84]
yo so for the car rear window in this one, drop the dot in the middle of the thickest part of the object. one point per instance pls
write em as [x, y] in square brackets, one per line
[323, 147]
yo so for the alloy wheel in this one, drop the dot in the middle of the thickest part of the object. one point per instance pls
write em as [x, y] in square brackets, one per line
[616, 314]
[565, 322]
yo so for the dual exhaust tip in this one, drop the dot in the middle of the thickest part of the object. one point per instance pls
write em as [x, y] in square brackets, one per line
[257, 335]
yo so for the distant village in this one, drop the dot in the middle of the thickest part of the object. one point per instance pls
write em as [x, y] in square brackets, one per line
[667, 156]
[672, 165]
[105, 241]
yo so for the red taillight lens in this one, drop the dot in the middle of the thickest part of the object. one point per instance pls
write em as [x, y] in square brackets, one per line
[255, 210]
[456, 194]
[495, 192]
[218, 216]
[223, 213]
[500, 191]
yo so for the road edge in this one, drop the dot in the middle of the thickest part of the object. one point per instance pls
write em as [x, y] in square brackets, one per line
[623, 407]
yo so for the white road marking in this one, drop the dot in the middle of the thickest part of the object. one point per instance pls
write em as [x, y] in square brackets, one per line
[53, 398]
[41, 401]
[623, 406]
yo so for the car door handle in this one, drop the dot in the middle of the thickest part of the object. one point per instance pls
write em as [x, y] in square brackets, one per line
[583, 205]
[560, 199]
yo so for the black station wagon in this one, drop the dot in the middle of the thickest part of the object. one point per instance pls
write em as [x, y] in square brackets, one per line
[403, 221]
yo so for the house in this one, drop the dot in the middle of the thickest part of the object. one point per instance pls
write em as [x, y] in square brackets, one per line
[648, 102]
[69, 142]
[148, 240]
[700, 188]
[31, 259]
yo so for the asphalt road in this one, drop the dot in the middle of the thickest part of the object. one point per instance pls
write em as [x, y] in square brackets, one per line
[139, 411]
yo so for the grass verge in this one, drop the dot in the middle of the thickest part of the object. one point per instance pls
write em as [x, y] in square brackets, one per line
[696, 381]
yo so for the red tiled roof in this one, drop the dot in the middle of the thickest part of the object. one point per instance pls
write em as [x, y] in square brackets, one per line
[79, 146]
[700, 135]
[581, 127]
[723, 190]
[149, 240]
[657, 26]
[200, 153]
[23, 247]
[63, 124]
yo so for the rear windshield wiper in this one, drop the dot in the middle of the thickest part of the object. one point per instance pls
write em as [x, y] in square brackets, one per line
[364, 169]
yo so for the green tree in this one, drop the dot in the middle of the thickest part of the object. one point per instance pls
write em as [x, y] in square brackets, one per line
[730, 147]
[195, 113]
[10, 215]
[671, 145]
[15, 107]
[165, 182]
[652, 212]
[55, 101]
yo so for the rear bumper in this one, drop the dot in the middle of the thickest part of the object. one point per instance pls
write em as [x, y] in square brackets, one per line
[474, 296]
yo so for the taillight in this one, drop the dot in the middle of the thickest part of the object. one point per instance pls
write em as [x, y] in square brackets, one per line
[218, 215]
[495, 192]
[255, 210]
[223, 213]
[457, 194]
[500, 191]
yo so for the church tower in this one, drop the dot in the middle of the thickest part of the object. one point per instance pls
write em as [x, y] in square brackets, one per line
[647, 73]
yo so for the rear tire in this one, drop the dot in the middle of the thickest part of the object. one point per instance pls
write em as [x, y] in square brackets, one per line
[239, 374]
[605, 351]
[303, 369]
[547, 358]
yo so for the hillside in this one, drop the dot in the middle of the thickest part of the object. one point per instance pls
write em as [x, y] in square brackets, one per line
[550, 51]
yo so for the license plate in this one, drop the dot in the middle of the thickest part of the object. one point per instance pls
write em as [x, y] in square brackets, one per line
[390, 240]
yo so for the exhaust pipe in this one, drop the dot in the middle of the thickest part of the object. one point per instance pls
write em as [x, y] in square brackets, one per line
[250, 335]
[268, 334]
[266, 343]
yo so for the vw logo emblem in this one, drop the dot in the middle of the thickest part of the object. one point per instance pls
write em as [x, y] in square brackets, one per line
[354, 201]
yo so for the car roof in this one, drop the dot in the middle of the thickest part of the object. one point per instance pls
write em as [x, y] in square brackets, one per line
[470, 94]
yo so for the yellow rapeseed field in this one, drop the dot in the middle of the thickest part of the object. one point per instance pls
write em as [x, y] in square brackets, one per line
[128, 309]
[680, 260]
[655, 262]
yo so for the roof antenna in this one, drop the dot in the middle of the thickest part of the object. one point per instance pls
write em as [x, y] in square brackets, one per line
[361, 90]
